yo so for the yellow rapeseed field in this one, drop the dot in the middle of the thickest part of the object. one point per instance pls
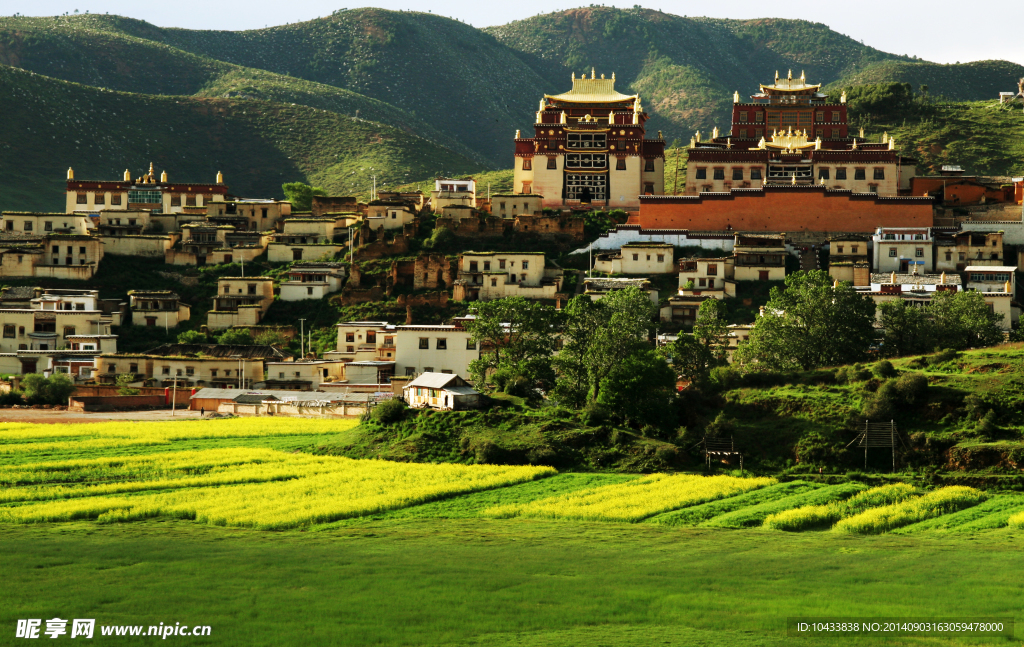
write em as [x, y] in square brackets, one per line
[812, 516]
[317, 490]
[634, 500]
[22, 437]
[934, 504]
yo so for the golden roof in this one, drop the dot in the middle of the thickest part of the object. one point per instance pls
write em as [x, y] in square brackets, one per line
[592, 90]
[789, 141]
[789, 84]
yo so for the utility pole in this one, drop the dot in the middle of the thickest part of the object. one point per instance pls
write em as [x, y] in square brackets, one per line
[302, 338]
[675, 184]
[373, 193]
[243, 267]
[174, 394]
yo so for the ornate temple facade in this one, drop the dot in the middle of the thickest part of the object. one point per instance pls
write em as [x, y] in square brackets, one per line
[791, 133]
[590, 148]
[146, 191]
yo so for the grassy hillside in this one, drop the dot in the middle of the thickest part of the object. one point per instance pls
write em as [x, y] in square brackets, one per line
[93, 50]
[49, 124]
[449, 74]
[980, 80]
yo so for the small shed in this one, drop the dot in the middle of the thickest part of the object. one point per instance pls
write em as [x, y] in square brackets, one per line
[445, 391]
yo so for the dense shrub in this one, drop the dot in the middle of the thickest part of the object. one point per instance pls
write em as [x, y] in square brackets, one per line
[858, 373]
[988, 427]
[389, 412]
[842, 376]
[541, 456]
[884, 369]
[883, 405]
[55, 389]
[816, 449]
[724, 378]
[11, 398]
[942, 357]
[912, 387]
[594, 415]
[487, 452]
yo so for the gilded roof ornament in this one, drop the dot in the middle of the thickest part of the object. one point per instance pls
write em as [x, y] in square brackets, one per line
[71, 173]
[736, 96]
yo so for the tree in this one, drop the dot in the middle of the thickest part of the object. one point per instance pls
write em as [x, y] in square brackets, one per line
[301, 195]
[581, 319]
[640, 389]
[123, 382]
[963, 320]
[192, 337]
[906, 328]
[520, 336]
[270, 338]
[55, 389]
[236, 336]
[811, 323]
[598, 336]
[711, 328]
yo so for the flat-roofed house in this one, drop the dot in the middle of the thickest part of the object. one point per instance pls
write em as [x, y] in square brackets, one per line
[240, 301]
[760, 258]
[638, 258]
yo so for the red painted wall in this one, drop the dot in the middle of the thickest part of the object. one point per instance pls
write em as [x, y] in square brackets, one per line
[782, 209]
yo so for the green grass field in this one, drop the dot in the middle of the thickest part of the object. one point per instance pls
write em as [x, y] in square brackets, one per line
[436, 570]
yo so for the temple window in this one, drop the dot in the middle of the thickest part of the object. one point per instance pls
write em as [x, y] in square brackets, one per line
[759, 117]
[835, 133]
[840, 174]
[719, 174]
[649, 166]
[737, 174]
[755, 174]
[82, 198]
[743, 117]
[527, 164]
[859, 174]
[552, 163]
[702, 174]
[823, 174]
[879, 173]
[835, 116]
[819, 116]
[620, 164]
[759, 132]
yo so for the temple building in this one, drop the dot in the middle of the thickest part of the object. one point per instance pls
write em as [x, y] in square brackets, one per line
[146, 191]
[589, 147]
[791, 133]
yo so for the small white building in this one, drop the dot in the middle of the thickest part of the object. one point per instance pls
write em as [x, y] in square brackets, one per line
[389, 214]
[903, 249]
[434, 349]
[312, 280]
[713, 277]
[991, 278]
[452, 192]
[638, 258]
[441, 391]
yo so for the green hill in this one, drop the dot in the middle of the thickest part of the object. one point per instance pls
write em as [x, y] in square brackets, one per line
[50, 124]
[980, 80]
[92, 50]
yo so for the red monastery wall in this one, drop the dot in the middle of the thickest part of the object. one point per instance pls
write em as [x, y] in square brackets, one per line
[783, 209]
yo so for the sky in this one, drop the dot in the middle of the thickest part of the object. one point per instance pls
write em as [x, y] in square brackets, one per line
[928, 29]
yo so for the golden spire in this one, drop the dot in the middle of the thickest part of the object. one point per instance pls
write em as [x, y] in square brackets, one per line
[854, 145]
[817, 144]
[728, 142]
[794, 179]
[562, 119]
[220, 178]
[698, 135]
[693, 142]
[151, 168]
[802, 77]
[842, 97]
[518, 134]
[71, 173]
[862, 132]
[776, 76]
[592, 74]
[790, 77]
[892, 144]
[885, 137]
[163, 176]
[892, 278]
[127, 175]
[736, 96]
[1006, 287]
[714, 133]
[942, 279]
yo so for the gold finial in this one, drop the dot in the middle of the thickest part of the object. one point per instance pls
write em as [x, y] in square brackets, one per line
[698, 135]
[562, 118]
[728, 142]
[518, 134]
[776, 76]
[693, 142]
[862, 132]
[127, 175]
[611, 119]
[163, 176]
[71, 173]
[794, 179]
[817, 144]
[885, 137]
[892, 144]
[822, 182]
[1006, 287]
[602, 76]
[854, 144]
[659, 135]
[790, 77]
[714, 133]
[892, 278]
[636, 118]
[842, 97]
[942, 279]
[220, 178]
[151, 168]
[592, 75]
[761, 144]
[542, 104]
[573, 76]
[835, 284]
[613, 76]
[802, 77]
[736, 96]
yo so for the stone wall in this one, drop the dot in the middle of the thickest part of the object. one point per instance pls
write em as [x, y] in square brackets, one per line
[436, 299]
[334, 204]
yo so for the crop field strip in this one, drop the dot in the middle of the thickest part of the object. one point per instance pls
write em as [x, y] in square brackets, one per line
[166, 469]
